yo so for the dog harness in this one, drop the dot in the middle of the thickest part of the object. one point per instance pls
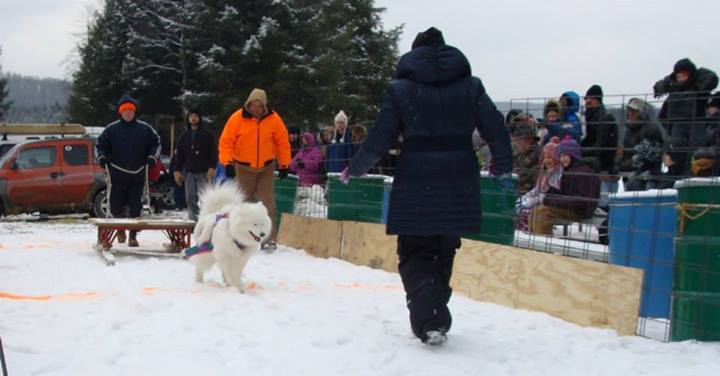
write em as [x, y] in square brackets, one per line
[208, 246]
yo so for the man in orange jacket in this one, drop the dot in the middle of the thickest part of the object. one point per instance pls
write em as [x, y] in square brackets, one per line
[253, 138]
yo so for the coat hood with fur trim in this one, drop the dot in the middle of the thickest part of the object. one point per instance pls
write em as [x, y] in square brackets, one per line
[552, 105]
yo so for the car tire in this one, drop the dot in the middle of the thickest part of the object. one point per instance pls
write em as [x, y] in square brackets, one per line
[100, 204]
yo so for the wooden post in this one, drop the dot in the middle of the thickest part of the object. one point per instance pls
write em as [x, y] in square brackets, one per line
[172, 137]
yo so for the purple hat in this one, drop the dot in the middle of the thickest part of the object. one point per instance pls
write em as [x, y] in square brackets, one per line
[570, 147]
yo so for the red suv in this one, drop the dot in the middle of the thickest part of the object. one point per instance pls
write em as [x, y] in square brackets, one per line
[52, 176]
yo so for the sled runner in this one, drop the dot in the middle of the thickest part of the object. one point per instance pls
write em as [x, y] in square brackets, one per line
[177, 230]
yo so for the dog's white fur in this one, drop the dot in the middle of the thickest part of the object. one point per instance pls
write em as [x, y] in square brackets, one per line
[247, 223]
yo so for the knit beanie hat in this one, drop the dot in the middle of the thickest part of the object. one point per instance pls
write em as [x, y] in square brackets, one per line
[341, 117]
[126, 102]
[595, 91]
[570, 147]
[429, 37]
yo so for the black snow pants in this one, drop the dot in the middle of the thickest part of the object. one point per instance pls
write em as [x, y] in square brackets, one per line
[126, 194]
[425, 268]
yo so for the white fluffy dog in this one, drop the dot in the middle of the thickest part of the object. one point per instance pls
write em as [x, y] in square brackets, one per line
[235, 229]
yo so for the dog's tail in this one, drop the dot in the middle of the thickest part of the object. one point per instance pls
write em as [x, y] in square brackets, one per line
[216, 196]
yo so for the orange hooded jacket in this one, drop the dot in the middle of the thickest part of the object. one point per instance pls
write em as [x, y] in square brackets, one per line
[253, 143]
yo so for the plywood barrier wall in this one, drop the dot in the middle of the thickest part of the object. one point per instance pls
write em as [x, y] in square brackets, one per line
[584, 292]
[318, 237]
[367, 244]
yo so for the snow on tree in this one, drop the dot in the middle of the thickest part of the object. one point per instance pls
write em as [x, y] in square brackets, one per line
[312, 57]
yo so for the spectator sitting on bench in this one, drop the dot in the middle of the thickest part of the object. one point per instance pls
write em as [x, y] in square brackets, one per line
[526, 154]
[577, 197]
[549, 176]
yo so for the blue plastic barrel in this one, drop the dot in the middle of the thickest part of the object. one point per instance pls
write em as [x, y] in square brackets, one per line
[642, 226]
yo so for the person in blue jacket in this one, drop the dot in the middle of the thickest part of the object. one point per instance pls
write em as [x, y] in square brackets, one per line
[126, 148]
[569, 122]
[435, 104]
[340, 149]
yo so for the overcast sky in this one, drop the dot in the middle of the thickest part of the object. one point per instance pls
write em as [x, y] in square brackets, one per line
[518, 48]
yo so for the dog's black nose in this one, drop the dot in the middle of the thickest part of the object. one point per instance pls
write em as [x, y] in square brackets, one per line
[262, 234]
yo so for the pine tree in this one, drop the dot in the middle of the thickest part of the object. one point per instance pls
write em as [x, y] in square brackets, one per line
[99, 81]
[4, 92]
[313, 57]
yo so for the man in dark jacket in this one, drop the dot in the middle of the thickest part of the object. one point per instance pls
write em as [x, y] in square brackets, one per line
[683, 112]
[196, 156]
[640, 125]
[601, 135]
[126, 148]
[435, 104]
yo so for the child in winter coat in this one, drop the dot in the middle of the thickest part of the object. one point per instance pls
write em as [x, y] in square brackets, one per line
[308, 162]
[549, 176]
[561, 118]
[575, 199]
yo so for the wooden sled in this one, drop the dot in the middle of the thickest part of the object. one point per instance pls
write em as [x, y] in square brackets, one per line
[178, 231]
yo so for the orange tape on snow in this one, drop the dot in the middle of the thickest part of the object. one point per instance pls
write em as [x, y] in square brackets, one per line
[69, 296]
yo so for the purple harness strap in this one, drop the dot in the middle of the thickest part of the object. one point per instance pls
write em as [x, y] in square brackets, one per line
[208, 246]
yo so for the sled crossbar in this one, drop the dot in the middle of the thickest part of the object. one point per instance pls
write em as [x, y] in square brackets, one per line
[178, 231]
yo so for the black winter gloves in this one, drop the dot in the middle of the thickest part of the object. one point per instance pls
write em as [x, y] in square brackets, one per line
[230, 171]
[151, 161]
[282, 173]
[102, 161]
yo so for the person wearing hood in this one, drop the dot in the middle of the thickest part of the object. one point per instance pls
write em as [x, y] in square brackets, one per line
[435, 104]
[639, 125]
[683, 112]
[253, 141]
[127, 148]
[567, 122]
[575, 199]
[340, 149]
[195, 159]
[308, 162]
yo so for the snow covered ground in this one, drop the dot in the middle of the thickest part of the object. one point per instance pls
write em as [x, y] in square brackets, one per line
[63, 312]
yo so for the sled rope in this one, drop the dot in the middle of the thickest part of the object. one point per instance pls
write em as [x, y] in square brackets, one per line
[683, 209]
[133, 172]
[109, 187]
